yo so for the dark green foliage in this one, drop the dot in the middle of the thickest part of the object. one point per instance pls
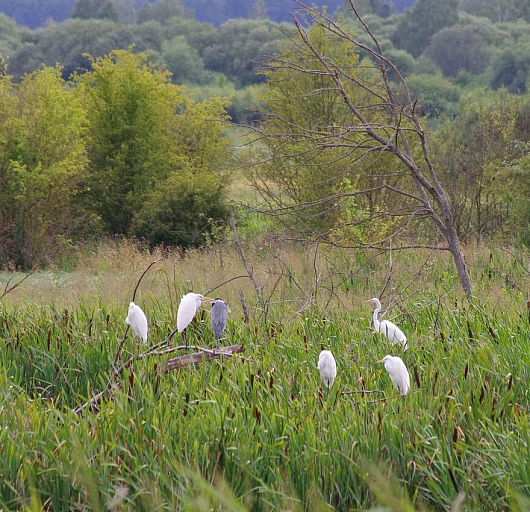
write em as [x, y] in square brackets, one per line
[419, 25]
[460, 48]
[162, 11]
[511, 68]
[69, 43]
[437, 95]
[186, 210]
[184, 62]
[241, 47]
[97, 9]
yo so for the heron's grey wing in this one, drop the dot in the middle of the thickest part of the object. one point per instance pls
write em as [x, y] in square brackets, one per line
[219, 319]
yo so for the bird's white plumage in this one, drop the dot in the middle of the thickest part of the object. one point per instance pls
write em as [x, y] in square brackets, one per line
[398, 372]
[137, 320]
[327, 367]
[386, 327]
[188, 307]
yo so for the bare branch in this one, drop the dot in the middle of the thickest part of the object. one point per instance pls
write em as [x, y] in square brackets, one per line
[202, 355]
[8, 289]
[381, 122]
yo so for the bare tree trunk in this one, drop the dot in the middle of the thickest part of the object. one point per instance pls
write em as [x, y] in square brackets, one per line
[460, 264]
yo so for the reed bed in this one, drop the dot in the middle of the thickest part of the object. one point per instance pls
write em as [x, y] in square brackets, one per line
[258, 431]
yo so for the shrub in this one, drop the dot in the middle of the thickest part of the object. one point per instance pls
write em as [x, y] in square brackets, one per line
[187, 210]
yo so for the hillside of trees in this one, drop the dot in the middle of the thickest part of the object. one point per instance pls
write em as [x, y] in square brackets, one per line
[465, 62]
[37, 14]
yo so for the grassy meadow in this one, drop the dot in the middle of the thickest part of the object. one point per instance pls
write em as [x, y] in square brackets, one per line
[257, 431]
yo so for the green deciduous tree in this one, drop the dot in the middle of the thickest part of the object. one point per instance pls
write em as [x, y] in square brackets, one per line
[519, 197]
[472, 153]
[418, 26]
[68, 43]
[187, 210]
[99, 9]
[145, 138]
[299, 110]
[437, 95]
[162, 11]
[460, 48]
[511, 68]
[42, 164]
[130, 107]
[241, 46]
[189, 207]
[184, 62]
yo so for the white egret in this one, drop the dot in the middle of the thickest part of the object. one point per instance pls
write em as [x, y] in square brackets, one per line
[188, 307]
[138, 321]
[220, 312]
[388, 328]
[398, 372]
[327, 367]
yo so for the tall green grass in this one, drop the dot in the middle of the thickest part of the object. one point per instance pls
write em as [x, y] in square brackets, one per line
[258, 431]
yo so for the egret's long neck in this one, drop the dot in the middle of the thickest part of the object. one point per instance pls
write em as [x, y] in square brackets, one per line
[375, 320]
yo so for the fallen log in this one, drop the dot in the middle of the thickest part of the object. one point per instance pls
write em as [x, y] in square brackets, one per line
[204, 354]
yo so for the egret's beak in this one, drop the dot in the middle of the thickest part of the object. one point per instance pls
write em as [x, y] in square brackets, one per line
[207, 299]
[369, 300]
[380, 361]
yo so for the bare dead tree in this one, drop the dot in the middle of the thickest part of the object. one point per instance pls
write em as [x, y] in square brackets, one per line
[387, 123]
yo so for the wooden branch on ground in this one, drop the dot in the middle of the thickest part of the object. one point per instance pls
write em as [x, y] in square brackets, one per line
[362, 391]
[173, 364]
[203, 355]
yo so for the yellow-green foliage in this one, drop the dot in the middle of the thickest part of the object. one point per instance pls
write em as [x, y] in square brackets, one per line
[309, 114]
[43, 163]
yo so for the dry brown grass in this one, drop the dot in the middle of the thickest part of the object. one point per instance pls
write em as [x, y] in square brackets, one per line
[287, 275]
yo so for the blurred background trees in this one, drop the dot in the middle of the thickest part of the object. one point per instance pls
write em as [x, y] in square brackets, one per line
[466, 63]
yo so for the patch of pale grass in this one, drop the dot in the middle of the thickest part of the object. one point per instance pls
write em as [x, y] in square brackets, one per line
[288, 278]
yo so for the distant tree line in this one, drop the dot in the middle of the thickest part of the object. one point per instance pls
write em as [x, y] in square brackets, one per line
[464, 44]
